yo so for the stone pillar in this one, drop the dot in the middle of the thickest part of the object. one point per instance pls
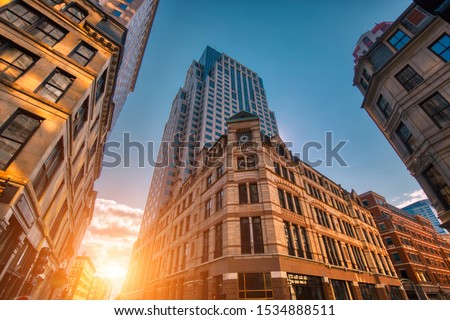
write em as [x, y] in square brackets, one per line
[327, 289]
[280, 286]
[356, 291]
[381, 292]
[230, 289]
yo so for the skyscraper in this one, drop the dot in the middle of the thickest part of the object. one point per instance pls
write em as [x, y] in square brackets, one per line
[137, 16]
[403, 76]
[216, 87]
[424, 209]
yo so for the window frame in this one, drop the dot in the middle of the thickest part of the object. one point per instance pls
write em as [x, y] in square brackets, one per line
[9, 44]
[432, 116]
[386, 106]
[71, 16]
[394, 45]
[446, 48]
[408, 142]
[50, 77]
[33, 26]
[75, 52]
[11, 120]
[412, 81]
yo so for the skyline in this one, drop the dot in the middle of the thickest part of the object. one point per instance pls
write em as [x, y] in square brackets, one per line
[293, 92]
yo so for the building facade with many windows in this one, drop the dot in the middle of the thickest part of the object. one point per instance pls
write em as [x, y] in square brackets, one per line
[426, 210]
[59, 62]
[420, 256]
[253, 222]
[404, 79]
[81, 278]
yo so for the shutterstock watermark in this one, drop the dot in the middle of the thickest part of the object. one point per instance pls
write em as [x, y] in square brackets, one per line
[128, 153]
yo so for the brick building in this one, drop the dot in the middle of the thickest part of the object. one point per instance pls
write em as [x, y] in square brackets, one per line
[253, 222]
[420, 256]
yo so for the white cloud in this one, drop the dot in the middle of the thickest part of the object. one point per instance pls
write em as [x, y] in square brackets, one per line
[109, 239]
[408, 198]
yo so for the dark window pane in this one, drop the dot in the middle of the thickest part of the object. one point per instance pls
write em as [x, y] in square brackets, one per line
[253, 193]
[243, 194]
[14, 133]
[245, 236]
[257, 235]
[438, 108]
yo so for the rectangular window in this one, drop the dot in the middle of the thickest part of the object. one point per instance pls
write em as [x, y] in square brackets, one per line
[281, 198]
[46, 173]
[297, 205]
[258, 242]
[439, 186]
[245, 163]
[253, 187]
[406, 136]
[83, 53]
[208, 209]
[246, 246]
[29, 20]
[15, 133]
[243, 198]
[252, 240]
[384, 106]
[442, 47]
[53, 2]
[14, 61]
[399, 39]
[74, 12]
[277, 168]
[205, 253]
[100, 87]
[396, 257]
[409, 78]
[438, 109]
[80, 117]
[220, 171]
[209, 180]
[55, 85]
[290, 202]
[288, 235]
[116, 13]
[218, 241]
[255, 286]
[219, 198]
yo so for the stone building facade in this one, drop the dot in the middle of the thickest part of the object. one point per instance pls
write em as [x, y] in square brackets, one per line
[404, 77]
[254, 222]
[58, 64]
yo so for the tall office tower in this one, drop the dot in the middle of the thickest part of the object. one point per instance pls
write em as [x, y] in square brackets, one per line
[426, 210]
[419, 254]
[404, 77]
[137, 16]
[254, 222]
[58, 69]
[216, 87]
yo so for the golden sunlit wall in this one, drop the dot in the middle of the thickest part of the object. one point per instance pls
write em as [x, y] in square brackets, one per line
[47, 176]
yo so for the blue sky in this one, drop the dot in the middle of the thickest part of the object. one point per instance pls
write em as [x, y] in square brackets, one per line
[303, 52]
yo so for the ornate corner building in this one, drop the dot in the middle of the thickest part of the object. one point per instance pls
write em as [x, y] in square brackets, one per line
[420, 255]
[254, 222]
[61, 64]
[403, 72]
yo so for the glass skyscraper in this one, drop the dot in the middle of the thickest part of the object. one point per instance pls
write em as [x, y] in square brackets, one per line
[424, 208]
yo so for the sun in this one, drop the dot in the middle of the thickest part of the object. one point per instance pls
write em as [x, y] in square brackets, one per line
[112, 271]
